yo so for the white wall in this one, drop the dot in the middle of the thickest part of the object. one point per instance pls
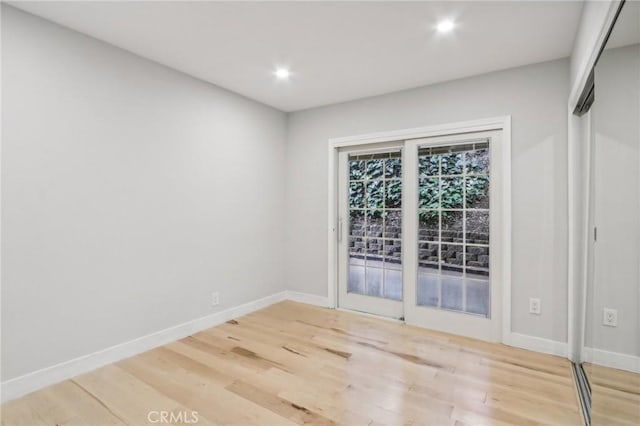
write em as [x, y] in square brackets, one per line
[535, 96]
[616, 139]
[120, 193]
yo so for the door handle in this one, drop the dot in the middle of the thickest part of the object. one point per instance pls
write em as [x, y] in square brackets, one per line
[339, 229]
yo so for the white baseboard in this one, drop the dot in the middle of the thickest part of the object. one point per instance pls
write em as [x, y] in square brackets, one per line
[612, 359]
[536, 344]
[39, 379]
[309, 299]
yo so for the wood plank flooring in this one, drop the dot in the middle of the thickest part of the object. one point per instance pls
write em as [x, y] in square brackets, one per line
[298, 364]
[615, 396]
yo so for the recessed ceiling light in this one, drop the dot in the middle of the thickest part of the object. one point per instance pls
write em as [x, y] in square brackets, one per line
[282, 73]
[445, 26]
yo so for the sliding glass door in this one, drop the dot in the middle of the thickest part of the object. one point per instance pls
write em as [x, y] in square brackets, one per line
[419, 229]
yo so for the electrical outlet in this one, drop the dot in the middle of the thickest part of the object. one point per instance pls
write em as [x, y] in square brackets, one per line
[610, 317]
[215, 299]
[534, 306]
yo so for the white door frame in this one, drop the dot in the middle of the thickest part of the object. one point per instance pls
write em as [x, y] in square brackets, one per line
[502, 123]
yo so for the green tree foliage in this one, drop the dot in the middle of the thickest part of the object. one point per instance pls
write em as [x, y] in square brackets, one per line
[368, 190]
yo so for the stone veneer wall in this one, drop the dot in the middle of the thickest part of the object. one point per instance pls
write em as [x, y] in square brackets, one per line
[382, 243]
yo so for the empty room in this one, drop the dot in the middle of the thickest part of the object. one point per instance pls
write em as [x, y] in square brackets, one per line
[320, 212]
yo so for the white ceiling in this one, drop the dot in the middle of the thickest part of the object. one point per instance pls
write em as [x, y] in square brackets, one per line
[337, 51]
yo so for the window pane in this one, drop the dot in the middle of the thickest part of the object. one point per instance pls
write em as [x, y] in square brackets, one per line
[477, 296]
[429, 193]
[451, 256]
[393, 224]
[477, 227]
[428, 290]
[393, 197]
[374, 223]
[429, 165]
[451, 164]
[374, 282]
[375, 169]
[477, 192]
[356, 169]
[374, 250]
[393, 168]
[357, 248]
[392, 254]
[428, 257]
[477, 162]
[393, 284]
[477, 261]
[452, 292]
[356, 279]
[451, 191]
[429, 225]
[375, 194]
[356, 223]
[393, 269]
[452, 222]
[356, 195]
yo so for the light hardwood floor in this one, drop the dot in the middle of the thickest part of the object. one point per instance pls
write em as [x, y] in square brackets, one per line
[615, 396]
[295, 364]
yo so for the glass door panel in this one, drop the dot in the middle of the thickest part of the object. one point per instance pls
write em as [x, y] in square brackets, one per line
[449, 204]
[453, 234]
[373, 206]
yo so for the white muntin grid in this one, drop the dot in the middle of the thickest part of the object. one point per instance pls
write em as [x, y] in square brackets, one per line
[463, 151]
[385, 213]
[366, 236]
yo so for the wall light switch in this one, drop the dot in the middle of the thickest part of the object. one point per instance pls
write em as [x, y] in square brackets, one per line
[610, 317]
[534, 306]
[215, 299]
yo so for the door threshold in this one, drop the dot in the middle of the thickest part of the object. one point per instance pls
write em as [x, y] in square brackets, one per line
[370, 315]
